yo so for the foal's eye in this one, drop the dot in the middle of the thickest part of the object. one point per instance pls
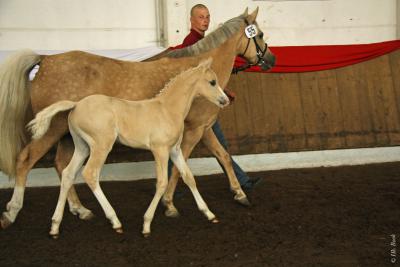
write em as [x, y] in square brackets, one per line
[213, 83]
[261, 35]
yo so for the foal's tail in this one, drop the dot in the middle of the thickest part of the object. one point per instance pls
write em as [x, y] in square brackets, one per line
[41, 123]
[14, 102]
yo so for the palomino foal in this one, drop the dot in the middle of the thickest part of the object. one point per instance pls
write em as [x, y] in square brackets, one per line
[157, 124]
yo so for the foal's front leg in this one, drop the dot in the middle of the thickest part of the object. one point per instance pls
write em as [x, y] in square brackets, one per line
[190, 139]
[187, 176]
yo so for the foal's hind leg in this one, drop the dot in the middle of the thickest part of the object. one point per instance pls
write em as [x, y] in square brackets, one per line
[161, 159]
[91, 173]
[29, 155]
[212, 143]
[68, 176]
[65, 150]
[187, 176]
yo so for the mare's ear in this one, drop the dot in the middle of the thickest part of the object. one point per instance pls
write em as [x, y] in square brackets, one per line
[246, 12]
[206, 63]
[252, 17]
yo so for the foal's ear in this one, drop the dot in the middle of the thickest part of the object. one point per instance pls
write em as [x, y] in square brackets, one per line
[206, 63]
[246, 12]
[252, 17]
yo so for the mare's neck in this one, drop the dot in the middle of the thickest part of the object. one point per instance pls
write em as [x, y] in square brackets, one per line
[224, 58]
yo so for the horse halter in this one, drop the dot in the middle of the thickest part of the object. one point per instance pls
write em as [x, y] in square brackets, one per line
[260, 54]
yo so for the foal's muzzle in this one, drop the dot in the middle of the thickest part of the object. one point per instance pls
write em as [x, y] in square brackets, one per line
[223, 101]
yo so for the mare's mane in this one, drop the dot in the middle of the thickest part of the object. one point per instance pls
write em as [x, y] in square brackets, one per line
[212, 40]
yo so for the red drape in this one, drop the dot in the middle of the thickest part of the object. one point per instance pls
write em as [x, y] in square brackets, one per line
[323, 57]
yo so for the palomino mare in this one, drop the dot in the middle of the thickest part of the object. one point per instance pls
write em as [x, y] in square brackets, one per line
[97, 121]
[75, 75]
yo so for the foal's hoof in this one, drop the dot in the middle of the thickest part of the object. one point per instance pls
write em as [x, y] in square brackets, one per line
[119, 230]
[215, 220]
[146, 235]
[54, 236]
[171, 213]
[86, 216]
[244, 201]
[4, 222]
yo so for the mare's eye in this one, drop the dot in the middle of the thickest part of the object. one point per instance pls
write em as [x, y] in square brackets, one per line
[261, 35]
[213, 83]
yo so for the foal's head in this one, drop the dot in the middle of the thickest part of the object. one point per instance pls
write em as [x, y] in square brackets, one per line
[207, 85]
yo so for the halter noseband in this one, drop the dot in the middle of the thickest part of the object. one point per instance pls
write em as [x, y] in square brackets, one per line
[260, 55]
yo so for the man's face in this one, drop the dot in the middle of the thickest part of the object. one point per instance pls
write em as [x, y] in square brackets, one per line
[200, 20]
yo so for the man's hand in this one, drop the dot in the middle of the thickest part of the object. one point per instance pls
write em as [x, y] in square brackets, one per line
[231, 95]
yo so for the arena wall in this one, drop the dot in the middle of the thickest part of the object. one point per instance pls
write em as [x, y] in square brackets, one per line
[351, 107]
[128, 24]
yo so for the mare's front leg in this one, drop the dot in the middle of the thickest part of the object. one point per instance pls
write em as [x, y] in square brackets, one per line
[161, 159]
[187, 176]
[65, 150]
[26, 159]
[190, 138]
[215, 147]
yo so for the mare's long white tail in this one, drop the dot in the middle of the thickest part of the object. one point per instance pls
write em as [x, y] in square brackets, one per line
[15, 98]
[41, 123]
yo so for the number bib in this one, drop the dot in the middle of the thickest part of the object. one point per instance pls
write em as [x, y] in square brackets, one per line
[251, 31]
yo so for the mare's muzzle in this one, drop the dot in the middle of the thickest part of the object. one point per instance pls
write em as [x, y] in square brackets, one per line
[268, 62]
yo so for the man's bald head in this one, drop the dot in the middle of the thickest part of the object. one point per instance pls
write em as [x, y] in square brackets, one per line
[199, 18]
[198, 6]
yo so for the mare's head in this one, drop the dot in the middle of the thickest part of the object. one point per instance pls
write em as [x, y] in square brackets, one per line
[207, 84]
[252, 45]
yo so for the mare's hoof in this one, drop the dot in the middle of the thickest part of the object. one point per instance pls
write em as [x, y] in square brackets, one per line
[4, 222]
[119, 230]
[243, 201]
[171, 213]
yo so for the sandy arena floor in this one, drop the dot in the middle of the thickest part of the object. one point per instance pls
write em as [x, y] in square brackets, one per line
[309, 217]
